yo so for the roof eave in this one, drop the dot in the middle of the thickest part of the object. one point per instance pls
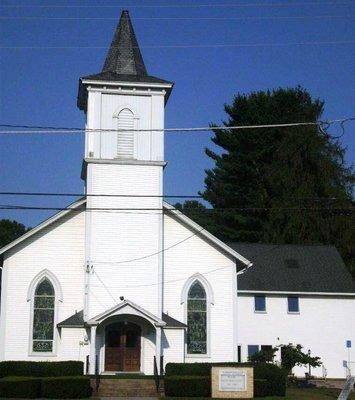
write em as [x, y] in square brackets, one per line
[83, 83]
[203, 232]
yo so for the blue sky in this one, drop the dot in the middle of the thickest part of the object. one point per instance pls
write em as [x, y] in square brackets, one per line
[38, 85]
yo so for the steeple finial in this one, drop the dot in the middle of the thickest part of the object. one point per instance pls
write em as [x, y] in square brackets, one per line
[124, 56]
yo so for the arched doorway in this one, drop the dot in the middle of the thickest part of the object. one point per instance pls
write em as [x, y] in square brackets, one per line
[122, 347]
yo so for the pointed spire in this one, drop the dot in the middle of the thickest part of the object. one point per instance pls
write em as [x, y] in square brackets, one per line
[124, 56]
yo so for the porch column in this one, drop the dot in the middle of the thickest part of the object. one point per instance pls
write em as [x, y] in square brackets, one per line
[92, 368]
[158, 347]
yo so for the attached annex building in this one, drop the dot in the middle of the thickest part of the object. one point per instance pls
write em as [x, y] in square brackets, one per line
[126, 287]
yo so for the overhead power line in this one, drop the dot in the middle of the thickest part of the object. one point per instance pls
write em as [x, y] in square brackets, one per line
[192, 210]
[175, 196]
[152, 254]
[177, 5]
[187, 46]
[76, 130]
[230, 18]
[98, 195]
[179, 279]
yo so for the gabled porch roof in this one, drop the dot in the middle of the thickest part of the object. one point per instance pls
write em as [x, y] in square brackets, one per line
[127, 307]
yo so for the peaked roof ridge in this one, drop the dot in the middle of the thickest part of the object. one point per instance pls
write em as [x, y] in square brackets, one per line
[124, 56]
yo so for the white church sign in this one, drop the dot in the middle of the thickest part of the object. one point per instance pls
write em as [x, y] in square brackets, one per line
[232, 382]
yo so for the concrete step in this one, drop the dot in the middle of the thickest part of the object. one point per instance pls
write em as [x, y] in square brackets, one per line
[125, 388]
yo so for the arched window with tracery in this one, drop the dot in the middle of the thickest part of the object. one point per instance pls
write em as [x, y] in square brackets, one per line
[196, 319]
[125, 139]
[43, 317]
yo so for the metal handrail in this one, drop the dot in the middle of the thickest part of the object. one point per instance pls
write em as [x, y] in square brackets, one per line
[156, 374]
[97, 374]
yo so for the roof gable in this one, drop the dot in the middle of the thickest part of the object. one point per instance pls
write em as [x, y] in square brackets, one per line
[126, 307]
[178, 214]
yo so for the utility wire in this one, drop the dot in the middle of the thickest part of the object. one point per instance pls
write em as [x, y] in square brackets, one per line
[39, 208]
[152, 254]
[177, 196]
[244, 18]
[108, 291]
[99, 195]
[203, 5]
[185, 46]
[75, 130]
[184, 279]
[153, 284]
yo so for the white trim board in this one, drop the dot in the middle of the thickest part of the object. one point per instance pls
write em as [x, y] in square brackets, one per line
[274, 292]
[126, 303]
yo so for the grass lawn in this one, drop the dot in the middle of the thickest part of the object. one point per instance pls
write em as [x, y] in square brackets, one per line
[292, 394]
[310, 394]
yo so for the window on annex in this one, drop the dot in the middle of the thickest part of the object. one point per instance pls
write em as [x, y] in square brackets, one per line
[259, 304]
[293, 304]
[43, 317]
[196, 319]
[267, 350]
[239, 353]
[252, 349]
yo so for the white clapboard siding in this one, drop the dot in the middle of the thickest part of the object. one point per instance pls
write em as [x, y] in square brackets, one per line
[125, 140]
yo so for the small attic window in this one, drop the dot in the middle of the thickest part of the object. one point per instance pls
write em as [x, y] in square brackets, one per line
[292, 263]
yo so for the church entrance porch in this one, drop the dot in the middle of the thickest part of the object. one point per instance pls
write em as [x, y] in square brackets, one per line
[123, 347]
[124, 338]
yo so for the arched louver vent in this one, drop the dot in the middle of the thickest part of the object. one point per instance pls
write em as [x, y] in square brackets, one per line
[125, 139]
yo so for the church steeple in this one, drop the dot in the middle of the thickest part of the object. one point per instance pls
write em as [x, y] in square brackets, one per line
[123, 64]
[124, 56]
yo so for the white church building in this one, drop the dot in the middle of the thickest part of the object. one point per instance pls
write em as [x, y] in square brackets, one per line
[120, 278]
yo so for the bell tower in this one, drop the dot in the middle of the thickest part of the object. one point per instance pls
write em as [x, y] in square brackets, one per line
[123, 173]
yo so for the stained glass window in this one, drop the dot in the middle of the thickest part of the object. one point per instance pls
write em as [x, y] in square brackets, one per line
[196, 319]
[43, 317]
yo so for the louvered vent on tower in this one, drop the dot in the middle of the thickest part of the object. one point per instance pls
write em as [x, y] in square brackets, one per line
[125, 139]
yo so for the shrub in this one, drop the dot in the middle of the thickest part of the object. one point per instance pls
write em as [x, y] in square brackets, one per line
[273, 377]
[41, 368]
[187, 386]
[269, 379]
[66, 387]
[197, 369]
[23, 387]
[261, 388]
[193, 369]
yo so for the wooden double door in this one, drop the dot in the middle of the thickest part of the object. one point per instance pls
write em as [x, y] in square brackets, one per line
[123, 347]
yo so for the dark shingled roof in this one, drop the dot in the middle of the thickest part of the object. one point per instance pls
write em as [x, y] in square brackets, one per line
[294, 268]
[124, 56]
[74, 321]
[123, 63]
[77, 321]
[172, 322]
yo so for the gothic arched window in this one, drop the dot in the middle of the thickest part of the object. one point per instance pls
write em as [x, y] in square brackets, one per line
[196, 319]
[125, 139]
[43, 317]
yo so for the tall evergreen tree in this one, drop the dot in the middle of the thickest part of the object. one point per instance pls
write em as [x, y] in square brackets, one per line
[10, 230]
[281, 185]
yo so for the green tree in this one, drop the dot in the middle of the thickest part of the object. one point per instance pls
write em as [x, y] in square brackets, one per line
[199, 213]
[280, 185]
[263, 356]
[293, 355]
[10, 230]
